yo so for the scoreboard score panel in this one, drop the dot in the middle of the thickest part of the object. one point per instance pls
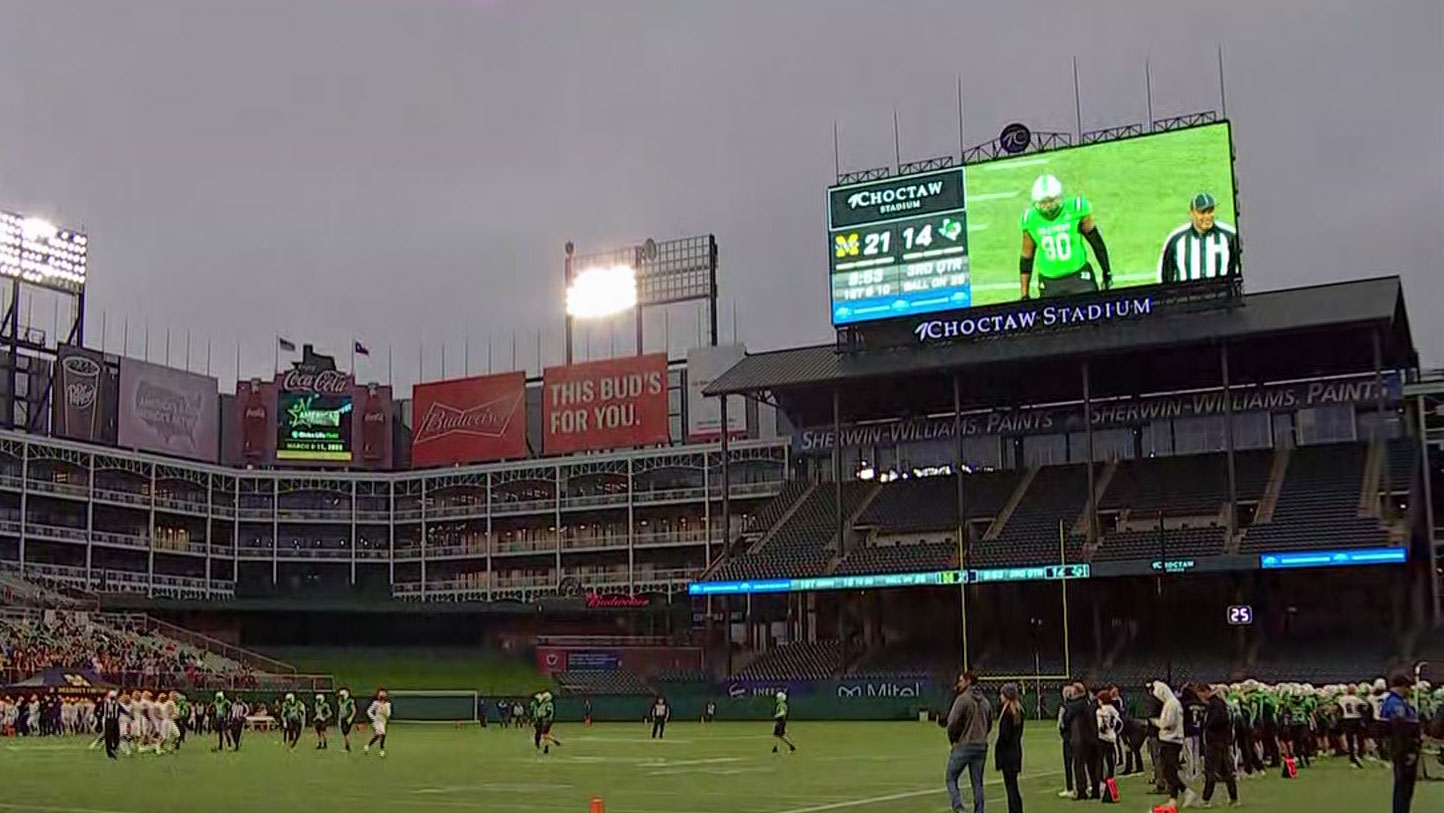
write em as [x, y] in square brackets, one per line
[898, 246]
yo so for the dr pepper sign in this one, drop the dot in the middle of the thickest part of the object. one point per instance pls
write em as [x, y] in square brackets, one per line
[611, 404]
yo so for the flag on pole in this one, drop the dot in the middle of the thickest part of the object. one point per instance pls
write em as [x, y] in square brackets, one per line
[285, 344]
[360, 349]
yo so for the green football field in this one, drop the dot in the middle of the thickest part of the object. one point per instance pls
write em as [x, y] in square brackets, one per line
[724, 768]
[1139, 189]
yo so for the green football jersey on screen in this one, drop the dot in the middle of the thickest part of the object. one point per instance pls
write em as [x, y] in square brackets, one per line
[1061, 249]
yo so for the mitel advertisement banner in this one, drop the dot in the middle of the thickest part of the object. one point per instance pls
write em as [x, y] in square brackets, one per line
[704, 415]
[469, 420]
[83, 396]
[1106, 414]
[612, 404]
[168, 411]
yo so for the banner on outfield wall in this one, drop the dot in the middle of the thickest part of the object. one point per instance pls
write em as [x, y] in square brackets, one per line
[551, 659]
[612, 404]
[83, 396]
[704, 415]
[1106, 414]
[170, 411]
[469, 420]
[885, 687]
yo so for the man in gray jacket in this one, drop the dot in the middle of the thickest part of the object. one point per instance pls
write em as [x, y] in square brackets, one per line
[968, 724]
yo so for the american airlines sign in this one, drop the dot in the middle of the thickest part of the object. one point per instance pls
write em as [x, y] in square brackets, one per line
[891, 198]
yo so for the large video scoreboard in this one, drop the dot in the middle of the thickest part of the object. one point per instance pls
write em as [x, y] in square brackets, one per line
[952, 239]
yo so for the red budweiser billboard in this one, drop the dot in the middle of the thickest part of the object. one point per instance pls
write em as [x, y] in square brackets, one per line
[469, 420]
[610, 404]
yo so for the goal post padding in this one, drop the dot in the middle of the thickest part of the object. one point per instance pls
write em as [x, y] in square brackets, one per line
[441, 706]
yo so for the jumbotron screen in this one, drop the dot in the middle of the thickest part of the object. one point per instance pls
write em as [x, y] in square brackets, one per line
[1155, 209]
[313, 427]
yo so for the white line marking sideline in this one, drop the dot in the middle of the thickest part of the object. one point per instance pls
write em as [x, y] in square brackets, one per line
[893, 797]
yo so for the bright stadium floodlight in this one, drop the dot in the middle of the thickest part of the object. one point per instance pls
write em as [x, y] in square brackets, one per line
[38, 252]
[602, 291]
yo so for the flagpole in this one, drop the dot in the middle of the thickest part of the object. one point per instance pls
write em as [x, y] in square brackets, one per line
[102, 331]
[276, 356]
[238, 358]
[388, 365]
[353, 359]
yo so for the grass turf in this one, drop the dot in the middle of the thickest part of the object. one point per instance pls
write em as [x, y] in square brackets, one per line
[724, 768]
[1139, 189]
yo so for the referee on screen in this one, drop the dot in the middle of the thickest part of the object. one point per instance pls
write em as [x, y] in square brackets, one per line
[1202, 248]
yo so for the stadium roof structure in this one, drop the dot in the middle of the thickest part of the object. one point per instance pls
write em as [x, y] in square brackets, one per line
[1288, 334]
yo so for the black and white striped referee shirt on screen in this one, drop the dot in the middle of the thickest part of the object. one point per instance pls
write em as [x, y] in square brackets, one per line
[1189, 255]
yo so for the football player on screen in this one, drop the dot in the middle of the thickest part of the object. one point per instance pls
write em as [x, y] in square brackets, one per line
[1054, 230]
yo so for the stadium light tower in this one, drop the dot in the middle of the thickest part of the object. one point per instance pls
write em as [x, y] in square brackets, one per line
[36, 252]
[638, 277]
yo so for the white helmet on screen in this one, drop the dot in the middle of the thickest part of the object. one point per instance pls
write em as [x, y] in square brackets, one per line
[1046, 187]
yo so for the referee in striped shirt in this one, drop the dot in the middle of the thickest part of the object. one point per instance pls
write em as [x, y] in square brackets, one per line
[1203, 248]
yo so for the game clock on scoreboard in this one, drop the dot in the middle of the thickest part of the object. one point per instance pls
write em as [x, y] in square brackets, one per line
[898, 246]
[316, 427]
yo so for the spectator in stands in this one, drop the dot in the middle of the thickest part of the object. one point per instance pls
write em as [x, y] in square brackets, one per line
[968, 723]
[1008, 752]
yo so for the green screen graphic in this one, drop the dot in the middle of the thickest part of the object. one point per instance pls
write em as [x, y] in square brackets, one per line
[1136, 191]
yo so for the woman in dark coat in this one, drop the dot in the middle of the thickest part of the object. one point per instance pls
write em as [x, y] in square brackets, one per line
[1008, 754]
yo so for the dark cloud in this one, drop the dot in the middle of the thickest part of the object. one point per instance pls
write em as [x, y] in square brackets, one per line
[407, 171]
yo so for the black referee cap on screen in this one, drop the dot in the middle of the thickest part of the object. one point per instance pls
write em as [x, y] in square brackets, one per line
[1202, 201]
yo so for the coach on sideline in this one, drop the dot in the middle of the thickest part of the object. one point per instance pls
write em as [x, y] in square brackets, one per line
[1202, 248]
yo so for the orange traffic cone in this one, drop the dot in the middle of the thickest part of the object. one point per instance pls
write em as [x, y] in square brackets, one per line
[598, 806]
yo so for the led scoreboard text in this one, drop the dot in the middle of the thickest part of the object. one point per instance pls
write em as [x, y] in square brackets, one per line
[898, 246]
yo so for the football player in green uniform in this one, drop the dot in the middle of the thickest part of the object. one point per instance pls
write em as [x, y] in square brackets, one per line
[321, 719]
[1055, 228]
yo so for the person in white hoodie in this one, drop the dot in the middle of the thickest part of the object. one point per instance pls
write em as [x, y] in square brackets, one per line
[1170, 743]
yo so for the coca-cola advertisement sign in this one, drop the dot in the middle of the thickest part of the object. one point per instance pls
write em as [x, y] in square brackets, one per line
[83, 396]
[168, 411]
[469, 420]
[318, 382]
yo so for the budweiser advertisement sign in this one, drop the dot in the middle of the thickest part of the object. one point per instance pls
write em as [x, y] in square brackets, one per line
[83, 399]
[469, 420]
[596, 601]
[612, 404]
[168, 411]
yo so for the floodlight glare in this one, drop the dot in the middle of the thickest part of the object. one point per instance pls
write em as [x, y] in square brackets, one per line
[36, 228]
[602, 291]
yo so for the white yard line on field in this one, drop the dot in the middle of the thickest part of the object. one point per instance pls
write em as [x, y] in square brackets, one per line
[893, 797]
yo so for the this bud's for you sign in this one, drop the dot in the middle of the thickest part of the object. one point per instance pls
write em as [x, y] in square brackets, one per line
[610, 404]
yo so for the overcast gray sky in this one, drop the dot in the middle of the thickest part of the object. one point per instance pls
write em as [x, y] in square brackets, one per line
[406, 172]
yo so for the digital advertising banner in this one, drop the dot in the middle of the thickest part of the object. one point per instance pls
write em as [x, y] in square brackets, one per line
[1160, 207]
[314, 426]
[168, 411]
[372, 434]
[612, 404]
[469, 420]
[83, 396]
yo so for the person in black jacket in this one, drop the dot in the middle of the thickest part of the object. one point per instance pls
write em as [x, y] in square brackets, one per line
[1008, 752]
[1080, 717]
[1217, 744]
